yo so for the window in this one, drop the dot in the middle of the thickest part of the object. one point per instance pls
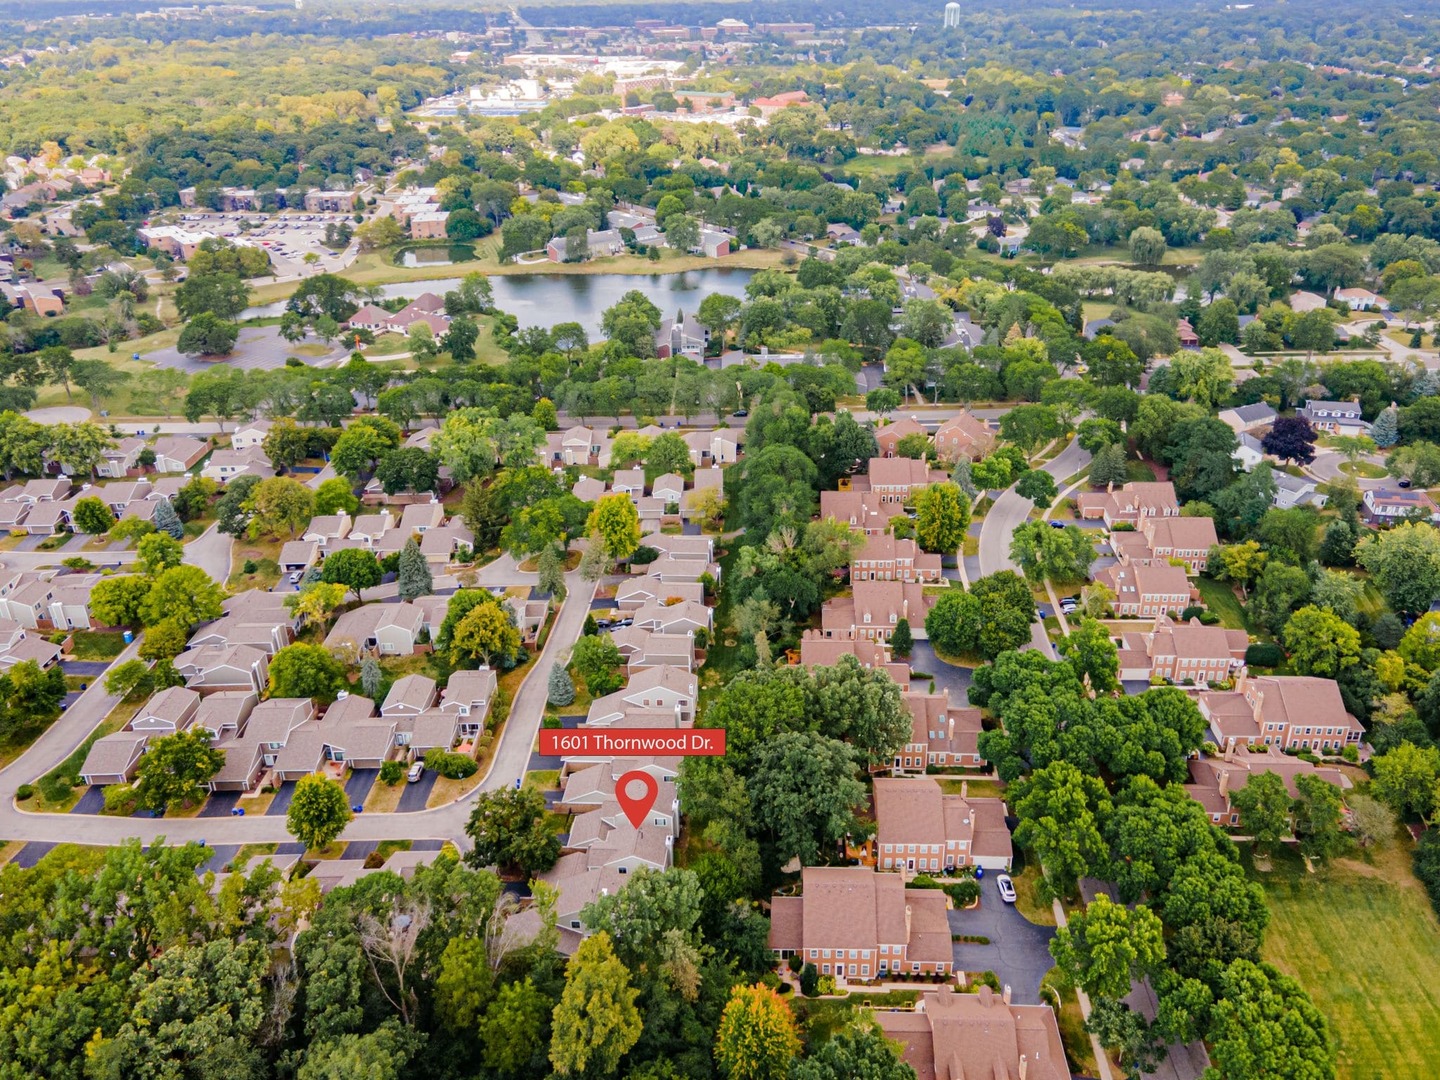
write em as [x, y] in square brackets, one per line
[824, 969]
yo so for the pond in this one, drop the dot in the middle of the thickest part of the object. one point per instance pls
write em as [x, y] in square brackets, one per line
[546, 299]
[434, 256]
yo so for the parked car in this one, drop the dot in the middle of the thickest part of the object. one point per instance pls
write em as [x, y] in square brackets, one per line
[1006, 887]
[1404, 481]
[416, 771]
[296, 576]
[1056, 524]
[1069, 606]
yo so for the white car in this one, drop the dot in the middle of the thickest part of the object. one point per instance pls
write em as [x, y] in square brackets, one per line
[296, 576]
[1006, 887]
[418, 770]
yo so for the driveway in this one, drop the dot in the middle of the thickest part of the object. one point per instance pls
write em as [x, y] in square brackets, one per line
[92, 802]
[358, 786]
[1010, 511]
[946, 676]
[210, 551]
[1019, 951]
[220, 804]
[281, 803]
[88, 668]
[415, 795]
[1326, 466]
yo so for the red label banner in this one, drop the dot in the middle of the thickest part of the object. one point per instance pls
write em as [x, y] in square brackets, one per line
[632, 742]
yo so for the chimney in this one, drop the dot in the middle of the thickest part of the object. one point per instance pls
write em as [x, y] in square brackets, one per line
[964, 784]
[1005, 996]
[905, 607]
[1024, 1061]
[907, 924]
[1257, 705]
[952, 739]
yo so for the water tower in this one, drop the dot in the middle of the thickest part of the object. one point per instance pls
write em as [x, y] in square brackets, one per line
[952, 15]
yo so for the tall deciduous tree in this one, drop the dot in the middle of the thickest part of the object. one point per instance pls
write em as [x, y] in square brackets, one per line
[1264, 807]
[1108, 946]
[596, 1022]
[306, 671]
[757, 1038]
[942, 516]
[173, 770]
[318, 811]
[355, 568]
[617, 523]
[510, 830]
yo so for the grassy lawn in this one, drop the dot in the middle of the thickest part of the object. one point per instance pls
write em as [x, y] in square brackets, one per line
[264, 558]
[1362, 939]
[1078, 1047]
[822, 1017]
[1366, 469]
[1221, 599]
[98, 644]
[59, 789]
[250, 851]
[383, 798]
[979, 789]
[1027, 878]
[1139, 472]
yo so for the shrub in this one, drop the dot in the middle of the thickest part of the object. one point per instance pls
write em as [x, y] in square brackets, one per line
[1264, 654]
[449, 765]
[771, 980]
[1351, 753]
[826, 985]
[644, 555]
[795, 963]
[248, 567]
[25, 791]
[983, 978]
[963, 892]
[1427, 864]
[120, 799]
[551, 722]
[392, 772]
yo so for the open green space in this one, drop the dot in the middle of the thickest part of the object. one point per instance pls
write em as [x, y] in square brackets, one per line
[1362, 939]
[1220, 599]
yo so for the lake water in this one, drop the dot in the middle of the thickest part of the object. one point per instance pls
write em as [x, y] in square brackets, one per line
[547, 299]
[434, 256]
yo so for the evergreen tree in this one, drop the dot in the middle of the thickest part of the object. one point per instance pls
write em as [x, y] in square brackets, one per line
[562, 687]
[1108, 466]
[1386, 429]
[370, 676]
[414, 572]
[901, 640]
[167, 520]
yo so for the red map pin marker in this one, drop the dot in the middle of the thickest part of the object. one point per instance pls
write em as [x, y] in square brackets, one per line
[636, 807]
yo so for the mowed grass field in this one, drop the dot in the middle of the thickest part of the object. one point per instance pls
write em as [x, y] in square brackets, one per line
[1362, 939]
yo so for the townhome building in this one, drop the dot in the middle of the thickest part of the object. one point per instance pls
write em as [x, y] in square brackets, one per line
[816, 650]
[963, 436]
[957, 1036]
[874, 609]
[921, 830]
[884, 558]
[853, 922]
[1182, 652]
[1214, 781]
[1289, 712]
[1148, 589]
[942, 734]
[897, 479]
[1130, 503]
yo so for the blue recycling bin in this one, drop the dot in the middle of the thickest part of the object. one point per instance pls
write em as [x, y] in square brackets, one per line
[129, 637]
[358, 808]
[979, 871]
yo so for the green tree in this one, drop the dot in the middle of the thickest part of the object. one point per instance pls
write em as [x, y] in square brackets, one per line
[173, 770]
[167, 520]
[859, 1050]
[117, 601]
[1062, 812]
[1280, 591]
[92, 516]
[942, 516]
[596, 1022]
[487, 633]
[509, 830]
[208, 335]
[318, 811]
[306, 671]
[279, 506]
[355, 568]
[902, 640]
[560, 688]
[1319, 816]
[1059, 555]
[1108, 946]
[1092, 653]
[413, 576]
[1240, 563]
[594, 658]
[165, 640]
[382, 1054]
[1147, 246]
[1030, 426]
[459, 340]
[1405, 779]
[515, 1029]
[1320, 642]
[550, 572]
[617, 524]
[1038, 486]
[1264, 807]
[1405, 564]
[184, 594]
[805, 794]
[757, 1037]
[334, 496]
[1264, 1024]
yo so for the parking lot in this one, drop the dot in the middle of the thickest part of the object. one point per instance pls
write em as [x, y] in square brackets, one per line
[288, 236]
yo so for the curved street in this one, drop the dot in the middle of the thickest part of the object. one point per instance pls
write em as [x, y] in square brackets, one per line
[1011, 509]
[512, 754]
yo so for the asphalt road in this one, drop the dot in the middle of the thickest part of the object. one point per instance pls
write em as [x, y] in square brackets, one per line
[1011, 509]
[1019, 950]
